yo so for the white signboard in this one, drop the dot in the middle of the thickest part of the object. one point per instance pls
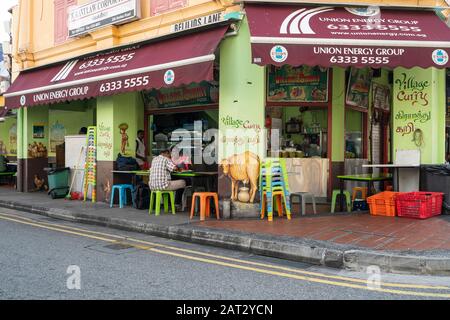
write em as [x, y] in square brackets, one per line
[197, 22]
[100, 13]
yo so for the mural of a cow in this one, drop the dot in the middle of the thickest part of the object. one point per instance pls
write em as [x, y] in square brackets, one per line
[242, 167]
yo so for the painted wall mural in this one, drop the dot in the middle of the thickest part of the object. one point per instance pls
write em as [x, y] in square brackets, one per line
[243, 168]
[13, 139]
[124, 143]
[416, 112]
[57, 134]
[105, 141]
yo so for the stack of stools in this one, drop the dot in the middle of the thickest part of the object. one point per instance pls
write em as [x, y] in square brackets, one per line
[273, 183]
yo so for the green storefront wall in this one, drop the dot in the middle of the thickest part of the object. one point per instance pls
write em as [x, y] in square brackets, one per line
[419, 112]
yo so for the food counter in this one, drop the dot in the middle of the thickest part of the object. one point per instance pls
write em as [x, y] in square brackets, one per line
[308, 175]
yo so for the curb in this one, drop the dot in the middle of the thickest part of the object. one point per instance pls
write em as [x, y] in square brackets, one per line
[313, 252]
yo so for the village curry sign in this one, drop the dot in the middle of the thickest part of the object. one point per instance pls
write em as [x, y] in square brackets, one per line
[413, 113]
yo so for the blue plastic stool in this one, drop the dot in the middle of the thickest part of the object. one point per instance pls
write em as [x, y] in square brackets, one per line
[122, 188]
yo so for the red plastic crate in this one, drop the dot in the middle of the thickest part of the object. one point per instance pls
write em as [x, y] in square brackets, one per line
[419, 205]
[382, 204]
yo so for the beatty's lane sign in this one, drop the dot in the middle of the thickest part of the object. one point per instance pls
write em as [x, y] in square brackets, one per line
[100, 13]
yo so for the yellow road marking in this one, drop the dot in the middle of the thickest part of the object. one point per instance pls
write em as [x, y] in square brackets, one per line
[316, 274]
[276, 273]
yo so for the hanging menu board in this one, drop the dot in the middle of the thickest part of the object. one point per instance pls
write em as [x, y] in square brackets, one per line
[381, 96]
[297, 84]
[194, 94]
[358, 87]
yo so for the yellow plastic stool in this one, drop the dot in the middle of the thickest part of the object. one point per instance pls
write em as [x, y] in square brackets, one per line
[363, 191]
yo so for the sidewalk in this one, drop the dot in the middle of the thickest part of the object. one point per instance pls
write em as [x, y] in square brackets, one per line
[352, 241]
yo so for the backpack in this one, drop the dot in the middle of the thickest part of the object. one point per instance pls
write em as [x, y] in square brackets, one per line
[142, 196]
[3, 162]
[126, 163]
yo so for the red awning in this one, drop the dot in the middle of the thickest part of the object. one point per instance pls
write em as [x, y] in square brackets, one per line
[350, 36]
[167, 63]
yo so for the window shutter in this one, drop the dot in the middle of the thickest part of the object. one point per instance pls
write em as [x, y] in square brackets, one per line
[177, 3]
[60, 21]
[158, 6]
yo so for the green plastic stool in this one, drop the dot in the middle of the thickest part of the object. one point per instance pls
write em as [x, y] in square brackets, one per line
[347, 198]
[165, 194]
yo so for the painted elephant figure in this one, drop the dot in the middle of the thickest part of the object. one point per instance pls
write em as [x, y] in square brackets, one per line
[242, 167]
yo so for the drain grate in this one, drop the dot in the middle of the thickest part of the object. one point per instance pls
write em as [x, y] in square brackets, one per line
[118, 246]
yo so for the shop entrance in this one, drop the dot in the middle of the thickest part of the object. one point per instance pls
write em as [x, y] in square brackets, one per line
[185, 121]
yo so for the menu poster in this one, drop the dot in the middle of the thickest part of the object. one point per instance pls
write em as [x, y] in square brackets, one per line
[381, 96]
[358, 87]
[297, 84]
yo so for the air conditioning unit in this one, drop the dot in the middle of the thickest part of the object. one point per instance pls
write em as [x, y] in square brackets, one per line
[7, 26]
[4, 85]
[6, 47]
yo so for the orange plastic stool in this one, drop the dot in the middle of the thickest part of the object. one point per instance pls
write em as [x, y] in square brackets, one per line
[279, 198]
[205, 209]
[363, 191]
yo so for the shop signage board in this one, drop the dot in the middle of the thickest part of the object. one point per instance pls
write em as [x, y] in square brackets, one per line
[101, 13]
[413, 114]
[197, 22]
[133, 68]
[297, 84]
[358, 87]
[344, 36]
[203, 93]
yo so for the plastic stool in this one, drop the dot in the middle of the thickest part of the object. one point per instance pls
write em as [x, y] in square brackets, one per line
[165, 194]
[122, 188]
[347, 197]
[204, 204]
[302, 196]
[363, 191]
[279, 196]
[278, 200]
[188, 192]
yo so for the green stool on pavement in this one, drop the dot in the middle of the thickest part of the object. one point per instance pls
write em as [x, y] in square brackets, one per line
[348, 199]
[165, 194]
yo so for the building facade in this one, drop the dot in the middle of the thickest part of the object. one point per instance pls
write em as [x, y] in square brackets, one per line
[336, 128]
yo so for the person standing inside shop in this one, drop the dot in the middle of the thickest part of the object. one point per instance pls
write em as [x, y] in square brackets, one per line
[160, 178]
[140, 150]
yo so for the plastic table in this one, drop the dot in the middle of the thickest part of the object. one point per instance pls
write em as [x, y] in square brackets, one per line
[366, 177]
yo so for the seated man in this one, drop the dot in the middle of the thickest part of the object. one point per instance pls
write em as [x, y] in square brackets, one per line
[160, 179]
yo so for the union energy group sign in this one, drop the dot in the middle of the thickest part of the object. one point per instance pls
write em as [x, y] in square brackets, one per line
[100, 13]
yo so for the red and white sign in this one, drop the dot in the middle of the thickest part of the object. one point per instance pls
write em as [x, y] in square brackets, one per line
[338, 36]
